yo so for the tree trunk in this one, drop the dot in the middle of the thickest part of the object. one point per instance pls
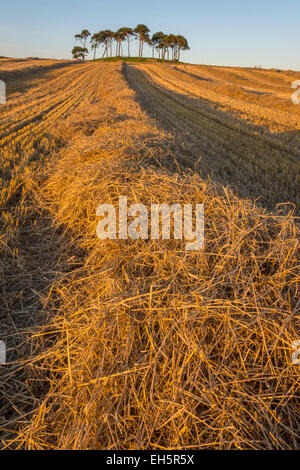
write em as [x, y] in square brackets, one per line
[140, 51]
[128, 46]
[95, 53]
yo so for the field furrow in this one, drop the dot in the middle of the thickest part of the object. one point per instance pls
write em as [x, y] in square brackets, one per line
[26, 121]
[19, 122]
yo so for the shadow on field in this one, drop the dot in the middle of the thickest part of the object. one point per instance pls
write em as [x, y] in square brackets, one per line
[198, 77]
[32, 265]
[254, 162]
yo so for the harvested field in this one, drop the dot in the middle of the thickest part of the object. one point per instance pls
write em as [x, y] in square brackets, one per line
[251, 147]
[124, 344]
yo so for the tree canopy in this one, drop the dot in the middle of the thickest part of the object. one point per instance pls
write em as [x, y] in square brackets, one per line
[79, 52]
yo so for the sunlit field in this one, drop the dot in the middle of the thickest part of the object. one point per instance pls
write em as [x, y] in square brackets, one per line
[140, 344]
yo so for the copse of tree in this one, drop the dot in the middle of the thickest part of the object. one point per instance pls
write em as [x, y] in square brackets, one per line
[163, 43]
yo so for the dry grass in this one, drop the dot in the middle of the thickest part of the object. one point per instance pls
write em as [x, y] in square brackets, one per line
[148, 346]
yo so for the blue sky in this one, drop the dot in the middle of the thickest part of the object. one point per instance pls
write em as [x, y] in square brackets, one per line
[232, 32]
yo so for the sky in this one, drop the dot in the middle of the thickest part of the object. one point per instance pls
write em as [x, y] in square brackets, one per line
[243, 33]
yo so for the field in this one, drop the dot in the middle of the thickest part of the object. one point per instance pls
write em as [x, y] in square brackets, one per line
[124, 344]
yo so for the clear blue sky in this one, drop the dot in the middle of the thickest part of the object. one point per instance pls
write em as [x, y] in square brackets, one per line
[232, 32]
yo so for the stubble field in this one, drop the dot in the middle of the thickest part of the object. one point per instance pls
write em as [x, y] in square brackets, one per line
[124, 344]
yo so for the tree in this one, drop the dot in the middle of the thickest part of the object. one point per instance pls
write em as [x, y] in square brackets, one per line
[110, 35]
[182, 45]
[126, 33]
[106, 38]
[96, 40]
[155, 41]
[164, 45]
[120, 36]
[172, 43]
[143, 34]
[79, 52]
[83, 36]
[160, 47]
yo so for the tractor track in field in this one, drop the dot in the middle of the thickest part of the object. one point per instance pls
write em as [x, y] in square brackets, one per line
[232, 152]
[34, 253]
[27, 122]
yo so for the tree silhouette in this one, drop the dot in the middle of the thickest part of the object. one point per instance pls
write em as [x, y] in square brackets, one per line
[120, 36]
[110, 35]
[127, 33]
[79, 52]
[155, 41]
[96, 40]
[182, 45]
[164, 45]
[172, 42]
[106, 38]
[83, 36]
[143, 34]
